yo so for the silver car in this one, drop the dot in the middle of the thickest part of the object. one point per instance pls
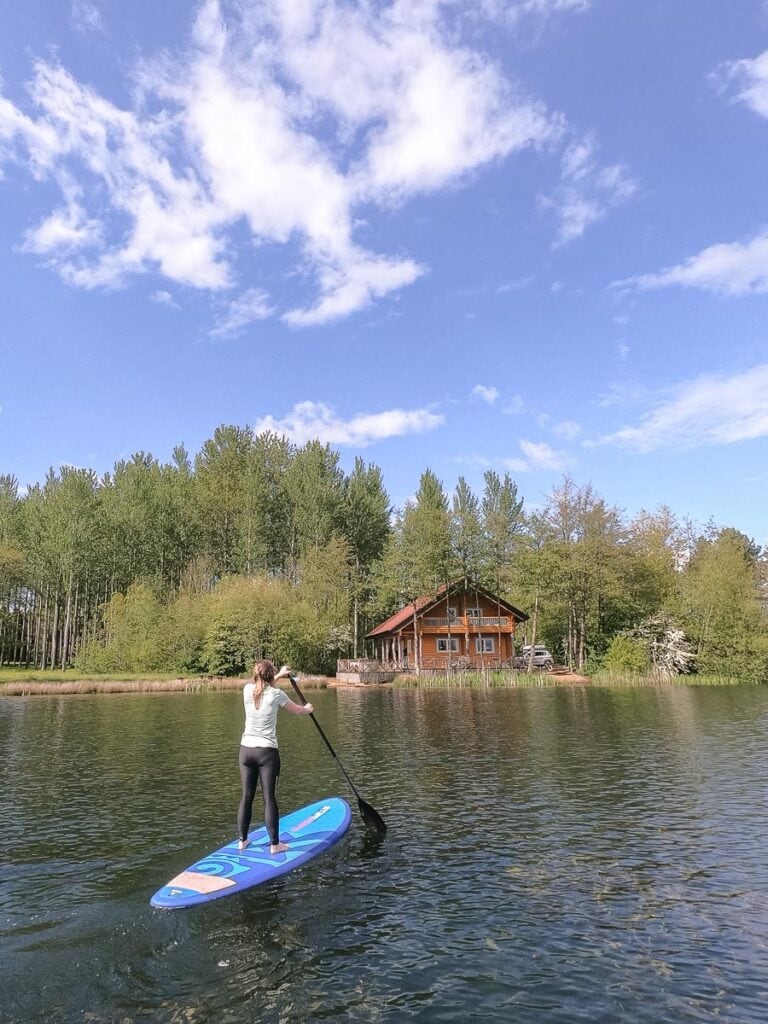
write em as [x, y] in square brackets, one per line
[541, 657]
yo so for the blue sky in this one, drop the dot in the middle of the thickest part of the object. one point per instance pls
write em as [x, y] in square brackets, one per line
[529, 236]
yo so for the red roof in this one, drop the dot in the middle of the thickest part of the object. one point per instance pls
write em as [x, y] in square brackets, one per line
[394, 622]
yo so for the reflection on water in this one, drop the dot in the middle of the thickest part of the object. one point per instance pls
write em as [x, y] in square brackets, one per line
[553, 856]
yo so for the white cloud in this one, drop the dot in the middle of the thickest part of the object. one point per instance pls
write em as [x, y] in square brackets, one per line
[515, 406]
[726, 268]
[730, 268]
[750, 78]
[64, 230]
[252, 305]
[488, 393]
[284, 116]
[308, 421]
[587, 191]
[623, 393]
[164, 298]
[568, 429]
[709, 410]
[511, 10]
[353, 285]
[86, 16]
[536, 456]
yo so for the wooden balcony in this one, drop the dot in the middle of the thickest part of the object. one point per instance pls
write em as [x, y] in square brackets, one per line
[463, 622]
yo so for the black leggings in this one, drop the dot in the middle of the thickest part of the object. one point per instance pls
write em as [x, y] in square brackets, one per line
[259, 764]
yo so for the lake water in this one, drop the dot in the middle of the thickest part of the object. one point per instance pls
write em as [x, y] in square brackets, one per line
[553, 856]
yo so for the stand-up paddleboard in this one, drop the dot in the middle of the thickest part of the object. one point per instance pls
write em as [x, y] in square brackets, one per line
[308, 831]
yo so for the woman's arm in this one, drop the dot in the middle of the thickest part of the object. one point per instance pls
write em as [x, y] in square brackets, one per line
[298, 709]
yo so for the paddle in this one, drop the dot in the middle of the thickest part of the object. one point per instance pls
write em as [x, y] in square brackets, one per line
[373, 820]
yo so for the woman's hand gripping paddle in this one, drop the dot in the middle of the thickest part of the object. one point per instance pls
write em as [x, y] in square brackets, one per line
[373, 820]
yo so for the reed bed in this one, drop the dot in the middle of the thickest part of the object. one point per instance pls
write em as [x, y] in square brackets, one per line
[484, 680]
[544, 680]
[657, 679]
[197, 684]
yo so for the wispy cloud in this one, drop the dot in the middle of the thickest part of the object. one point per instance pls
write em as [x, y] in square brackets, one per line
[537, 455]
[709, 410]
[512, 10]
[86, 16]
[488, 393]
[515, 406]
[730, 268]
[281, 116]
[587, 190]
[749, 80]
[726, 268]
[308, 421]
[252, 305]
[567, 429]
[164, 298]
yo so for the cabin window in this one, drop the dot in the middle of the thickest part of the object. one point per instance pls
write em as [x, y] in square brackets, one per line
[452, 613]
[474, 613]
[484, 644]
[442, 644]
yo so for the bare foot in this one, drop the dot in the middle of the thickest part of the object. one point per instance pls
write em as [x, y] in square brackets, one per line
[242, 844]
[279, 848]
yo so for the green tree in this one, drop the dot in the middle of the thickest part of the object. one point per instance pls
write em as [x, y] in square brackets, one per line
[503, 522]
[466, 532]
[720, 606]
[366, 527]
[426, 554]
[315, 487]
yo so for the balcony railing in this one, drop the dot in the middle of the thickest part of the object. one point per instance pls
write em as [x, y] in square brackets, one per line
[461, 622]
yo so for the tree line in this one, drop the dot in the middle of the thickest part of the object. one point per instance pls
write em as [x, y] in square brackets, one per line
[261, 547]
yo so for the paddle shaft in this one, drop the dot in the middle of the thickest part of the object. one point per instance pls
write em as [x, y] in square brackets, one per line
[327, 742]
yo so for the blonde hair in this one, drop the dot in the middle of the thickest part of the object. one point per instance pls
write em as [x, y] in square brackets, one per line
[263, 674]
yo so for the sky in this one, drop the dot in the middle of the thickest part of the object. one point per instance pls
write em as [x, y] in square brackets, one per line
[521, 235]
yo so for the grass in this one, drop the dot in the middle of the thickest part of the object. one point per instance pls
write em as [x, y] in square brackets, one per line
[612, 678]
[12, 675]
[18, 682]
[522, 680]
[474, 680]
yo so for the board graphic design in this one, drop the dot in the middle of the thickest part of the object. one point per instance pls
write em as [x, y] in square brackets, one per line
[308, 831]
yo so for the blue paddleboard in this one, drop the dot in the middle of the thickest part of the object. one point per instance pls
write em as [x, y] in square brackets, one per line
[308, 831]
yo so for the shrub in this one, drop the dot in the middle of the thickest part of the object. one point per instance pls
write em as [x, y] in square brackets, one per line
[626, 654]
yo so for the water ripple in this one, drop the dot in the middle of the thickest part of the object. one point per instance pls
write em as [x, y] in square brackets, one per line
[553, 855]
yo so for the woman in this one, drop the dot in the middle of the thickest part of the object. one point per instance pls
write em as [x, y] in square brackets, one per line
[259, 757]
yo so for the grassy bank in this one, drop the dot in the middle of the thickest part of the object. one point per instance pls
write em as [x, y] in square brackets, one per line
[635, 679]
[542, 680]
[488, 680]
[22, 683]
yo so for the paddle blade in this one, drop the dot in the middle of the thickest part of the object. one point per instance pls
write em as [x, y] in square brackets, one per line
[372, 819]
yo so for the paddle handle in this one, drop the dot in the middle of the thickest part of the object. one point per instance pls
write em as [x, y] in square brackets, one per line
[303, 699]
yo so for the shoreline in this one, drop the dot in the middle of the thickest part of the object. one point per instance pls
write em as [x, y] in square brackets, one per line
[218, 684]
[182, 684]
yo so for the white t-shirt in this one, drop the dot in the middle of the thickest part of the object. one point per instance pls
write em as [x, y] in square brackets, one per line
[261, 721]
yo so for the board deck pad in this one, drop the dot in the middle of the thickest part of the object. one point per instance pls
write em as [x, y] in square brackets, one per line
[308, 832]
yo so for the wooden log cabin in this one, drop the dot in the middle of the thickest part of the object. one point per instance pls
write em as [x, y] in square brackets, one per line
[461, 626]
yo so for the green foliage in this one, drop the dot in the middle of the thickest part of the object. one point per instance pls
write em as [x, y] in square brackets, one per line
[626, 654]
[259, 547]
[134, 638]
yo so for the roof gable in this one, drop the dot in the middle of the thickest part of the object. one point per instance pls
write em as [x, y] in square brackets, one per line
[426, 601]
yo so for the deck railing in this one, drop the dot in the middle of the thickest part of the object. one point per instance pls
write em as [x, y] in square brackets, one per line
[462, 621]
[361, 665]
